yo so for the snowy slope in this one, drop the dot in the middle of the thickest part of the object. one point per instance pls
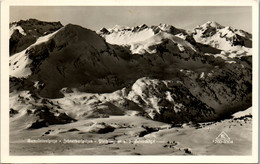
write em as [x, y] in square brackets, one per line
[221, 37]
[247, 112]
[147, 45]
[19, 63]
[128, 37]
[141, 38]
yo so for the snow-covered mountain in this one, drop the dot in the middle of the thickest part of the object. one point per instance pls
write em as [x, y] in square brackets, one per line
[24, 33]
[232, 42]
[160, 72]
[141, 39]
[224, 38]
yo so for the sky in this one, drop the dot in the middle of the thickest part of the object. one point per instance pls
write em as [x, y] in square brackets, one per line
[96, 17]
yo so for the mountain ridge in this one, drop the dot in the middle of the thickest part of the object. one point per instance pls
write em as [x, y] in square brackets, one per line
[159, 70]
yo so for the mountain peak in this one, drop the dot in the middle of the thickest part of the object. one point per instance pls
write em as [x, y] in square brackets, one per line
[164, 26]
[35, 22]
[221, 37]
[25, 32]
[212, 24]
[118, 28]
[143, 25]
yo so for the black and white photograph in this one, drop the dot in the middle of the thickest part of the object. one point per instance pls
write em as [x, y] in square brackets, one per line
[130, 80]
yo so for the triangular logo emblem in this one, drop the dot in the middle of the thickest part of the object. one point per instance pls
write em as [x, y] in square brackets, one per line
[223, 138]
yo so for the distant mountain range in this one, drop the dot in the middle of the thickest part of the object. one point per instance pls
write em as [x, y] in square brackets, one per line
[160, 72]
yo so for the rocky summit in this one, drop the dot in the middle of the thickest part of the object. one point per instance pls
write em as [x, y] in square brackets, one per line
[25, 32]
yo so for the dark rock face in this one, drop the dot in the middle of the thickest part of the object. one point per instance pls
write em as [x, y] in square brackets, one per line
[104, 31]
[13, 112]
[33, 29]
[207, 49]
[47, 117]
[200, 87]
[240, 40]
[228, 89]
[148, 130]
[19, 84]
[171, 101]
[106, 129]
